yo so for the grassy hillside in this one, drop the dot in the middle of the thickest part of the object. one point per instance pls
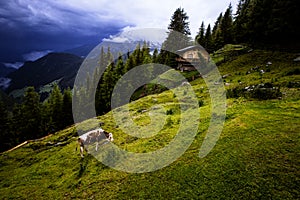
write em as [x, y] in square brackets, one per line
[256, 157]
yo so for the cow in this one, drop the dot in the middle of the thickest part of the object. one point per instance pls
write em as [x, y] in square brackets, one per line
[96, 136]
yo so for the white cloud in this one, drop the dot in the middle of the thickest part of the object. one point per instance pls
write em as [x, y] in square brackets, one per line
[153, 14]
[116, 39]
[4, 82]
[15, 65]
[154, 35]
[32, 56]
[141, 14]
[50, 19]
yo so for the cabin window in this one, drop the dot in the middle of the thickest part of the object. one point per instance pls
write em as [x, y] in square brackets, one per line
[190, 55]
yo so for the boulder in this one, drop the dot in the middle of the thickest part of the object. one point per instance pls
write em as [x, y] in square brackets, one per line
[297, 59]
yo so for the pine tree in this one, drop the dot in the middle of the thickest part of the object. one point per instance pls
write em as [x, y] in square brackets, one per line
[18, 122]
[146, 57]
[268, 23]
[137, 55]
[102, 62]
[155, 56]
[46, 120]
[120, 68]
[55, 107]
[67, 108]
[200, 38]
[179, 22]
[106, 88]
[130, 63]
[227, 26]
[31, 114]
[217, 24]
[208, 40]
[3, 117]
[238, 24]
[109, 59]
[178, 37]
[217, 33]
[5, 136]
[279, 22]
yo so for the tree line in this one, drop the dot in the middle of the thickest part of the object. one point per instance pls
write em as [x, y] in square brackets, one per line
[259, 23]
[32, 118]
[115, 68]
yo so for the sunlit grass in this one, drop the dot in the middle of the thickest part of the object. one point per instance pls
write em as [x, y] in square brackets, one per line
[256, 156]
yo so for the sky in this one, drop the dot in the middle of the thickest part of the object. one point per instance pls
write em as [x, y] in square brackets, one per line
[33, 28]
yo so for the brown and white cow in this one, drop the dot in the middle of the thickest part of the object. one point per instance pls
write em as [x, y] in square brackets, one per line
[92, 137]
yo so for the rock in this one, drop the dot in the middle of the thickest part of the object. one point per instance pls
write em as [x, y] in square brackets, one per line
[49, 143]
[58, 144]
[297, 59]
[156, 108]
[101, 123]
[185, 83]
[226, 75]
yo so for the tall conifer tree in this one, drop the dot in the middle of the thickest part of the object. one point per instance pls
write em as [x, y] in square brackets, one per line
[178, 37]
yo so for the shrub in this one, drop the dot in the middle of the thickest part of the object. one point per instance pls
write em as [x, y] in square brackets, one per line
[200, 103]
[261, 92]
[293, 72]
[169, 122]
[266, 93]
[170, 112]
[235, 92]
[292, 84]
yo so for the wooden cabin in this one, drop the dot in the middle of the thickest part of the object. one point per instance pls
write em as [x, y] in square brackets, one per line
[189, 57]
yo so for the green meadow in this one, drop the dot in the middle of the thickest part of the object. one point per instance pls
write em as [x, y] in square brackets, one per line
[256, 157]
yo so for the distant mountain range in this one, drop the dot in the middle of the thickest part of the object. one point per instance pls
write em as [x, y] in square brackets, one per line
[52, 67]
[81, 51]
[59, 68]
[115, 47]
[4, 70]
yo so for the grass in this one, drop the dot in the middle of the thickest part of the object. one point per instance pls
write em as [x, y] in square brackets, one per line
[228, 51]
[46, 89]
[49, 87]
[256, 156]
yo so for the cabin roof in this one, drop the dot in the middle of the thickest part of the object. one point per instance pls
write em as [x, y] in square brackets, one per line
[190, 48]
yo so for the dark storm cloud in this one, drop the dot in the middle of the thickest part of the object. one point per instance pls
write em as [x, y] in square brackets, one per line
[51, 25]
[28, 25]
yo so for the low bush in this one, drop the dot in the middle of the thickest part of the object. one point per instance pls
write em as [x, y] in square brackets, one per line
[293, 72]
[201, 103]
[292, 84]
[261, 92]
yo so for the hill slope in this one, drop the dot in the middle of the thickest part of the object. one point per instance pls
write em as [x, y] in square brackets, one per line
[4, 71]
[45, 70]
[256, 157]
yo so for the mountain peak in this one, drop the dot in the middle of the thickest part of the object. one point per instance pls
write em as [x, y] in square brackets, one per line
[47, 69]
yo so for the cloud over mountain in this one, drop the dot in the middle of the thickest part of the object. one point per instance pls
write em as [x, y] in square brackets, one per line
[28, 26]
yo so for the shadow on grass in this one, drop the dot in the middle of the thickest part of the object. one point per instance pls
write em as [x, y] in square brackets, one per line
[83, 165]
